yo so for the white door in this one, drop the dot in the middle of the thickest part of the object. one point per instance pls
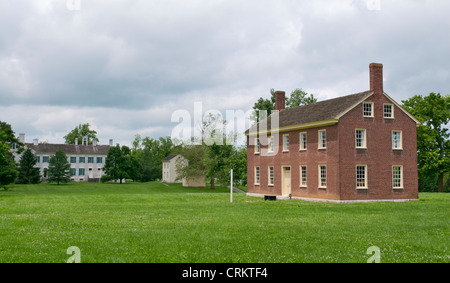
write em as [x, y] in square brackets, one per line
[286, 181]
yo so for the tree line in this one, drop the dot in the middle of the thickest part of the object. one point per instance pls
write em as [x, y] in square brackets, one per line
[143, 161]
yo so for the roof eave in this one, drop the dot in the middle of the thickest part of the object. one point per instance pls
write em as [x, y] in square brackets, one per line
[295, 127]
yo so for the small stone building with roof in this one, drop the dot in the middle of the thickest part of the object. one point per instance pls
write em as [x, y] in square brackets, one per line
[359, 147]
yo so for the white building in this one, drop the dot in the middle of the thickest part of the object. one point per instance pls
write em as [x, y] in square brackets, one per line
[170, 174]
[169, 167]
[86, 161]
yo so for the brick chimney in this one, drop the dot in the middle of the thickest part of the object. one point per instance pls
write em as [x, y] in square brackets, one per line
[280, 100]
[376, 78]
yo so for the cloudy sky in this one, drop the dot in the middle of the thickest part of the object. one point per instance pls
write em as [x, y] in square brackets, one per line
[125, 66]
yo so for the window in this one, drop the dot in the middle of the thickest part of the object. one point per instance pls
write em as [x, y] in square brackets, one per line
[270, 144]
[397, 177]
[303, 176]
[270, 175]
[257, 175]
[257, 145]
[361, 176]
[45, 159]
[286, 142]
[322, 176]
[99, 159]
[73, 159]
[396, 139]
[303, 141]
[81, 171]
[360, 138]
[73, 171]
[82, 160]
[322, 139]
[38, 159]
[388, 111]
[90, 159]
[368, 109]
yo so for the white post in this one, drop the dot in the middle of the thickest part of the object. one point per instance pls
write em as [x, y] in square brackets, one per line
[231, 186]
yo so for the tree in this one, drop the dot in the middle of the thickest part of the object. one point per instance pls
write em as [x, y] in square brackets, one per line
[298, 97]
[263, 104]
[59, 168]
[433, 145]
[149, 153]
[80, 131]
[239, 165]
[193, 165]
[212, 158]
[8, 168]
[119, 163]
[28, 174]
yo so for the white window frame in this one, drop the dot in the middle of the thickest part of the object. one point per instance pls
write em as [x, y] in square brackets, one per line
[257, 146]
[257, 175]
[400, 142]
[358, 185]
[285, 145]
[320, 139]
[271, 176]
[321, 185]
[303, 142]
[304, 183]
[364, 141]
[392, 111]
[394, 177]
[371, 109]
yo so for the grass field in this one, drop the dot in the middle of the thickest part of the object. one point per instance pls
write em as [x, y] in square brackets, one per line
[153, 222]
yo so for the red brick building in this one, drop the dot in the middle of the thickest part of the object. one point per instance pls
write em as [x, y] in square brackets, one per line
[359, 147]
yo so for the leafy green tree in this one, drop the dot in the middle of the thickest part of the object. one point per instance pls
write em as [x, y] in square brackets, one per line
[219, 163]
[79, 132]
[59, 168]
[194, 164]
[239, 165]
[299, 97]
[149, 154]
[8, 168]
[118, 163]
[263, 104]
[213, 157]
[433, 145]
[28, 174]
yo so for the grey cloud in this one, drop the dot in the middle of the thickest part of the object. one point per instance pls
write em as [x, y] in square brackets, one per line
[128, 57]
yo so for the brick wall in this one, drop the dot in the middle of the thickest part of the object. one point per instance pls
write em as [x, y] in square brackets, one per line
[379, 155]
[312, 157]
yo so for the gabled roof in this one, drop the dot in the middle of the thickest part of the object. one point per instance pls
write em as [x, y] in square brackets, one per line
[321, 113]
[49, 148]
[169, 157]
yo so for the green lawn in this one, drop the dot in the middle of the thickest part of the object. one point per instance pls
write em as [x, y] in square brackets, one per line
[153, 222]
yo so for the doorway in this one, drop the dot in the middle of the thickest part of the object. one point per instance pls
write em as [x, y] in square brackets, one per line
[286, 180]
